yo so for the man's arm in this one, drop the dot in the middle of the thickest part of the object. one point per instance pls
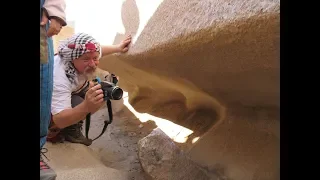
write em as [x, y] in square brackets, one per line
[70, 116]
[64, 115]
[109, 49]
[122, 47]
[61, 108]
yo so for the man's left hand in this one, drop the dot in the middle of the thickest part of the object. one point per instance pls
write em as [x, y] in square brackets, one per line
[123, 46]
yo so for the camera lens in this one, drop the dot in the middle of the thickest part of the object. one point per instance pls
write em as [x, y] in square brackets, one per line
[116, 93]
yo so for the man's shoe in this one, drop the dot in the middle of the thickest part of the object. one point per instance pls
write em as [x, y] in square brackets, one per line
[73, 134]
[46, 173]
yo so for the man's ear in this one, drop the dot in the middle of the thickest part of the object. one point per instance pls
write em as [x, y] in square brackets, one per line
[73, 61]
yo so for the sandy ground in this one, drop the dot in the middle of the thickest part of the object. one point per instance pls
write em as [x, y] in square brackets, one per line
[114, 154]
[117, 148]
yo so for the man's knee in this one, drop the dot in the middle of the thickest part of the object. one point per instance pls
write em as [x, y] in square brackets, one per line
[76, 100]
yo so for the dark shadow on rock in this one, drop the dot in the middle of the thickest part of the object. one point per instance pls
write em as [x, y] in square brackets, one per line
[174, 109]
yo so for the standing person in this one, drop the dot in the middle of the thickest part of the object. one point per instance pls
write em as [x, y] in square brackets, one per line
[53, 10]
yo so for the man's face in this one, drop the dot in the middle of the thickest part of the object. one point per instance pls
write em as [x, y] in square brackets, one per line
[87, 63]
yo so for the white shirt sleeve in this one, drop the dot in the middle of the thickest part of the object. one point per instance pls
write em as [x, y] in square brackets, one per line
[62, 89]
[61, 98]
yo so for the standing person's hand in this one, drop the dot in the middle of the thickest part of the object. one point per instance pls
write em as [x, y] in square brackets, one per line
[94, 98]
[123, 46]
[55, 25]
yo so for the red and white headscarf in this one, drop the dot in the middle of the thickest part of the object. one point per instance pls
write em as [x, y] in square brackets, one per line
[74, 47]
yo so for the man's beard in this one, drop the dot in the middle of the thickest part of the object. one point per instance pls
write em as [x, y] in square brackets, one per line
[89, 72]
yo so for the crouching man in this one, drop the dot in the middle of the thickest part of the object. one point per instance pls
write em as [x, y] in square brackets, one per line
[74, 95]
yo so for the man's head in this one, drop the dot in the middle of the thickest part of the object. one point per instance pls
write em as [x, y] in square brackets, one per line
[83, 51]
[87, 63]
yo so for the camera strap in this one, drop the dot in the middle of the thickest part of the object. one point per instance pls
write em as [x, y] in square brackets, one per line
[106, 122]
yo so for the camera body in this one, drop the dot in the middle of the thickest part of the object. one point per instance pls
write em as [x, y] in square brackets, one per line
[110, 89]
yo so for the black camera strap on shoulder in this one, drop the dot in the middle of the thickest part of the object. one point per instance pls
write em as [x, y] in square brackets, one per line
[106, 122]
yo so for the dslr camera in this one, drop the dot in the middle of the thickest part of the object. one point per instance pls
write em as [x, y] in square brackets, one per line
[110, 89]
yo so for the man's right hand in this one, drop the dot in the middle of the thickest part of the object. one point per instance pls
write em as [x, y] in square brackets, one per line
[94, 98]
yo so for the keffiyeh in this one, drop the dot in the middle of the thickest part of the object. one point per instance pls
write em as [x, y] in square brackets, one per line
[73, 48]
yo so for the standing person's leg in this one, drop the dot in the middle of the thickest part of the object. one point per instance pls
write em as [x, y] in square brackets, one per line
[46, 86]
